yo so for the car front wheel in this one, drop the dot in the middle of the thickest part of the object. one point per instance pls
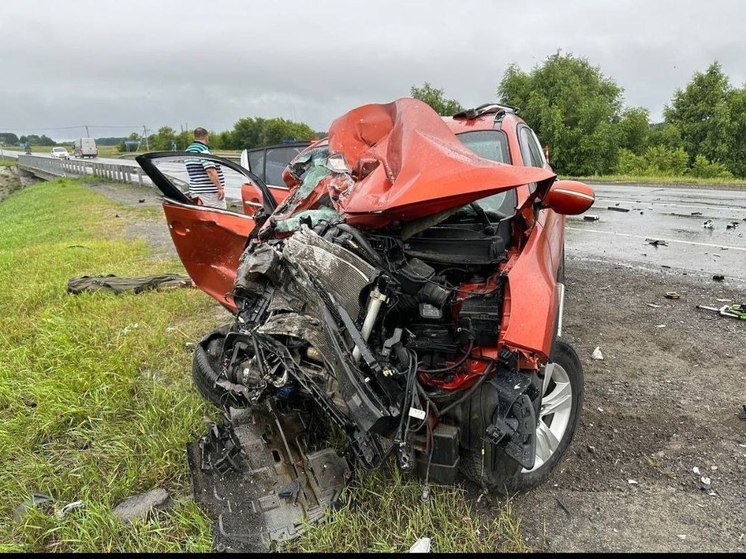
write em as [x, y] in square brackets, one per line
[561, 405]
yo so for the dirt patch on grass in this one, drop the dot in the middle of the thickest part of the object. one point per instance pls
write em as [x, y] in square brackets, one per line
[153, 229]
[664, 400]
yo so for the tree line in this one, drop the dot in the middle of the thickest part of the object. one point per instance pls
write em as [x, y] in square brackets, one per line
[247, 133]
[578, 113]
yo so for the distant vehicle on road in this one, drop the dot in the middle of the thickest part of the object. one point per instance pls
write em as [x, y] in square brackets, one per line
[85, 147]
[60, 153]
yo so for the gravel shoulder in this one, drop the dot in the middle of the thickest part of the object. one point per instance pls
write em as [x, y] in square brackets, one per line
[664, 400]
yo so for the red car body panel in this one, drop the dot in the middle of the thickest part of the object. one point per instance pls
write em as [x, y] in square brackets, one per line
[406, 164]
[409, 164]
[209, 243]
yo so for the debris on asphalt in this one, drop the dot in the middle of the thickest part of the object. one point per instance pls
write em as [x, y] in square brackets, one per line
[597, 355]
[141, 200]
[672, 295]
[564, 507]
[718, 277]
[707, 224]
[35, 500]
[661, 326]
[734, 310]
[653, 305]
[633, 482]
[732, 225]
[70, 506]
[422, 545]
[141, 505]
[657, 242]
[696, 213]
[696, 471]
[591, 448]
[614, 208]
[706, 483]
[742, 413]
[723, 300]
[590, 218]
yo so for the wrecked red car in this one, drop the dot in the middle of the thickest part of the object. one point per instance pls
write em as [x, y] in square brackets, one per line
[407, 292]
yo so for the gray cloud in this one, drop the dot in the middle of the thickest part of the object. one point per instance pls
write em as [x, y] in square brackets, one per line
[212, 62]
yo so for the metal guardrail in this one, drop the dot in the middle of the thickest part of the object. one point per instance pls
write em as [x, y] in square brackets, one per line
[48, 168]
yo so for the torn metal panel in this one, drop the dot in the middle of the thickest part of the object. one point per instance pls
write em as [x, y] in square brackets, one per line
[273, 482]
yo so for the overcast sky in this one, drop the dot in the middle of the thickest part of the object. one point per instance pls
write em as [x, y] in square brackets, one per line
[119, 65]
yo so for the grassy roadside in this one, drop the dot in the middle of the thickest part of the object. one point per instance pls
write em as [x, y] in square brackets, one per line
[660, 180]
[97, 405]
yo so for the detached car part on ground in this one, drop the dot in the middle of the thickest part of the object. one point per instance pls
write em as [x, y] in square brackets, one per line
[407, 291]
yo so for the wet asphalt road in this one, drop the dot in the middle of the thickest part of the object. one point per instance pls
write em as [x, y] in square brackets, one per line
[674, 215]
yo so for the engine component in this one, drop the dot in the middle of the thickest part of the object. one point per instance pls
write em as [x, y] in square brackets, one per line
[479, 318]
[439, 463]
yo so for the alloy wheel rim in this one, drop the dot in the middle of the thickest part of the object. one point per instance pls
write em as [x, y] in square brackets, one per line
[554, 415]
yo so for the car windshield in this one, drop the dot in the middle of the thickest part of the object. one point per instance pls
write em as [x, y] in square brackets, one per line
[493, 145]
[59, 150]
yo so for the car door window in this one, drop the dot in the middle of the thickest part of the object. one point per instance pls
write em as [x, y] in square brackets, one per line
[171, 175]
[490, 144]
[493, 145]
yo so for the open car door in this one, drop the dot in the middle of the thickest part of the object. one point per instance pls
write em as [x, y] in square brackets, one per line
[209, 240]
[268, 163]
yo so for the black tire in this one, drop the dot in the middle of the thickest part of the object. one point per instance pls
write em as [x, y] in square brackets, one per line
[205, 367]
[507, 477]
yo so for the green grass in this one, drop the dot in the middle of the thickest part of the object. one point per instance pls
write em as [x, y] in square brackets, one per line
[8, 162]
[96, 401]
[383, 511]
[659, 180]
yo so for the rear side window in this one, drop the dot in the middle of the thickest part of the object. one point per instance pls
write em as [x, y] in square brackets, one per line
[530, 148]
[490, 144]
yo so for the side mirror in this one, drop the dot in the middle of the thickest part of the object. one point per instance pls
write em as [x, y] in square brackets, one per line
[569, 197]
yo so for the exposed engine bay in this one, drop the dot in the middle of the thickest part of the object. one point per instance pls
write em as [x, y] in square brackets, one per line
[396, 341]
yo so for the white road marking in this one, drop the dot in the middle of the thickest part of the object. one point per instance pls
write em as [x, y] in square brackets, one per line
[712, 206]
[648, 237]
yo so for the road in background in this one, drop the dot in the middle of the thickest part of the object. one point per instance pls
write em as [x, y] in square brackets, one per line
[676, 216]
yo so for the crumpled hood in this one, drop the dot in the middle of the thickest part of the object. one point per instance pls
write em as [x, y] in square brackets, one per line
[405, 163]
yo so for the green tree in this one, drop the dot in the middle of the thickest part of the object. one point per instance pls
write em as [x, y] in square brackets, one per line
[665, 134]
[256, 132]
[163, 140]
[436, 99]
[8, 138]
[42, 140]
[708, 170]
[247, 133]
[633, 129]
[572, 107]
[736, 161]
[702, 114]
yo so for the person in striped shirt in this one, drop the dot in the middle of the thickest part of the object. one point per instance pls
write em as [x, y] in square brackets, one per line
[206, 178]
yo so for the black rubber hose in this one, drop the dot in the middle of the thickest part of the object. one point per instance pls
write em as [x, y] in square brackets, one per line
[362, 241]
